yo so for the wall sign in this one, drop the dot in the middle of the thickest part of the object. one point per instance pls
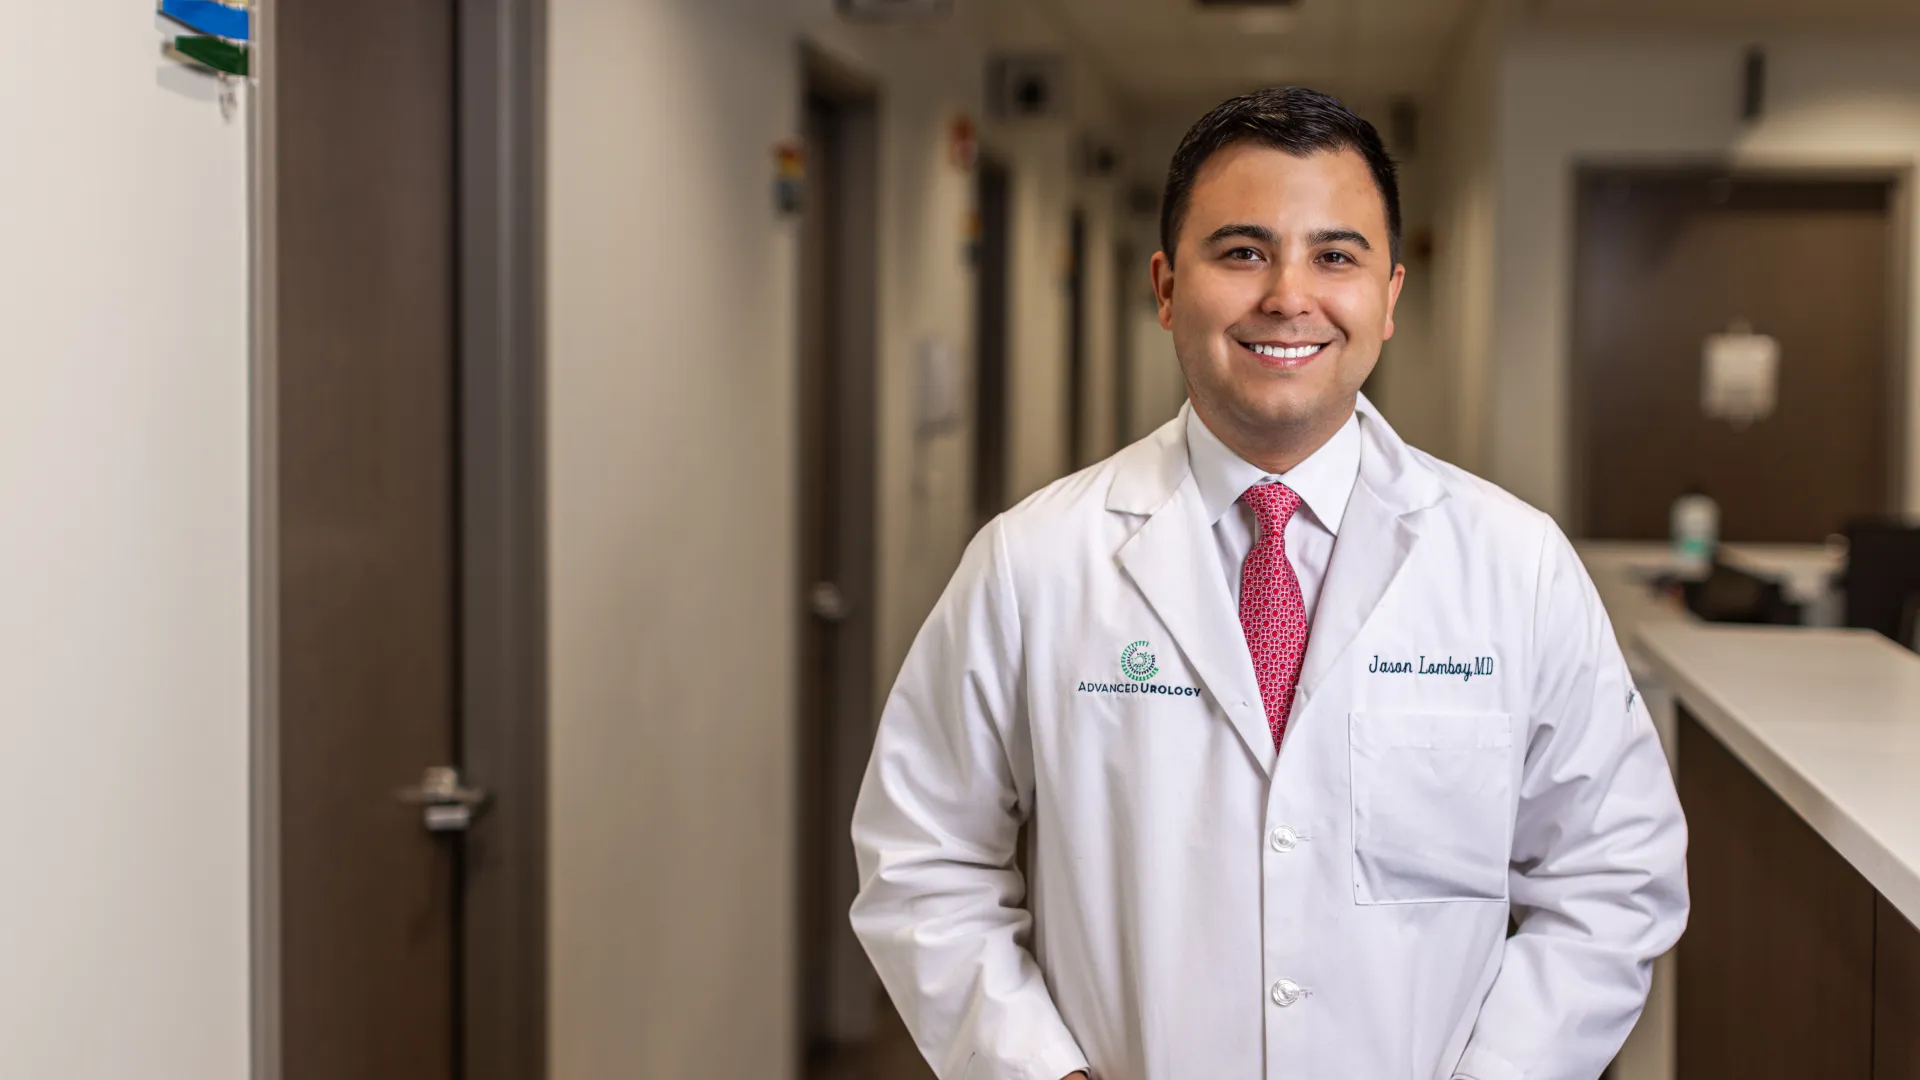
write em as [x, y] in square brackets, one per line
[789, 176]
[219, 43]
[1740, 376]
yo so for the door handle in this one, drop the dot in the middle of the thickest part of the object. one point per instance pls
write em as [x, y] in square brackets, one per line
[446, 805]
[827, 602]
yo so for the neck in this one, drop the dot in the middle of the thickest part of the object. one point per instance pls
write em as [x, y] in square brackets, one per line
[1274, 447]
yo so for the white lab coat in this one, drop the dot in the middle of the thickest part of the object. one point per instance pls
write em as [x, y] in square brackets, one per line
[1198, 907]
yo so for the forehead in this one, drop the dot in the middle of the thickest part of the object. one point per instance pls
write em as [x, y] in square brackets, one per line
[1248, 182]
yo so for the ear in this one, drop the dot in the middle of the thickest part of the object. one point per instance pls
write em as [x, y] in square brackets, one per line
[1393, 297]
[1163, 288]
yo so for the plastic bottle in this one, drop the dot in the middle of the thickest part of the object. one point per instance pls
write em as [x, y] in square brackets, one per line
[1695, 528]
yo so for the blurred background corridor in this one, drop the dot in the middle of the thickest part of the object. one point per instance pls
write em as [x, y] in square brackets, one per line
[473, 468]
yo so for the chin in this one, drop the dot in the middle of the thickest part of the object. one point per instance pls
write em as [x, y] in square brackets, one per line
[1284, 407]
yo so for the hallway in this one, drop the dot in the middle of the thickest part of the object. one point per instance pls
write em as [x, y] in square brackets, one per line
[475, 474]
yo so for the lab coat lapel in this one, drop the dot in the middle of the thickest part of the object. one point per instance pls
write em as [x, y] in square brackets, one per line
[1378, 534]
[1173, 561]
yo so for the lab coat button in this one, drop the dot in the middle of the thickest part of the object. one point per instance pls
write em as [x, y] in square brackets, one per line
[1284, 839]
[1286, 992]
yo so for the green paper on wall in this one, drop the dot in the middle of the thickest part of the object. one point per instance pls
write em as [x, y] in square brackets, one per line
[214, 53]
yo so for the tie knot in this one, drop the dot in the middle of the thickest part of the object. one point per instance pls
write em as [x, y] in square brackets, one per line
[1273, 505]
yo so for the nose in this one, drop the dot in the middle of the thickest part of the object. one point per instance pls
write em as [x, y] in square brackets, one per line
[1287, 294]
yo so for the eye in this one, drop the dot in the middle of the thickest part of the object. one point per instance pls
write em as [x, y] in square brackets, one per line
[1243, 254]
[1339, 258]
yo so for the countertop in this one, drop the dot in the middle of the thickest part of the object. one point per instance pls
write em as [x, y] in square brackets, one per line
[1622, 570]
[1827, 718]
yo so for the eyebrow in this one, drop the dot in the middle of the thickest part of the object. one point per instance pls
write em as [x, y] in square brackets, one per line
[1250, 232]
[1338, 236]
[1266, 236]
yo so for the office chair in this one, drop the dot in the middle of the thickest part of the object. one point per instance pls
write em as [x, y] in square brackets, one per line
[1729, 594]
[1881, 586]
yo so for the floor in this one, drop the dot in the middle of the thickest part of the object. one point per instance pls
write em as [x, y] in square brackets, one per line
[891, 1056]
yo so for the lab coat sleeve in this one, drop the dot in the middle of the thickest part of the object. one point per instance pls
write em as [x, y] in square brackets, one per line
[940, 908]
[1598, 879]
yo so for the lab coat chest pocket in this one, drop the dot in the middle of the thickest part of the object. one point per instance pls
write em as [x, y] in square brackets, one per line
[1432, 805]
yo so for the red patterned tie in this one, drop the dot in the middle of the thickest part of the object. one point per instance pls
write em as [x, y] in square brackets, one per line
[1271, 611]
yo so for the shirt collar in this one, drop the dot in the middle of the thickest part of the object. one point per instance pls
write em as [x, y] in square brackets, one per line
[1324, 481]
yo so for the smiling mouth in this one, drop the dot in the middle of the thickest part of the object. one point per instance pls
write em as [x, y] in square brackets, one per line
[1283, 352]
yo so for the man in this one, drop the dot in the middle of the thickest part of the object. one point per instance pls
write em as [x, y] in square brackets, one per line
[1298, 716]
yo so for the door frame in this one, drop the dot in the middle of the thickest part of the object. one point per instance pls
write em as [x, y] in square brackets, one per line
[1079, 378]
[501, 632]
[1125, 297]
[501, 54]
[1900, 350]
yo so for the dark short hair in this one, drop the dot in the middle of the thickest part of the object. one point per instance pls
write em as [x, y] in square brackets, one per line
[1292, 119]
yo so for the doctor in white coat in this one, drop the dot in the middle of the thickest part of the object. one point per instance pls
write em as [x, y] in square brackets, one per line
[1297, 716]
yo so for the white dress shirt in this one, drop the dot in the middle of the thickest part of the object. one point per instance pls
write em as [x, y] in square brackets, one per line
[1324, 482]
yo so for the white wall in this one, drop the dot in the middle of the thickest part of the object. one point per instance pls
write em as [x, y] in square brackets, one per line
[926, 294]
[671, 294]
[670, 414]
[1567, 99]
[1103, 233]
[1463, 289]
[1047, 184]
[1409, 384]
[1159, 388]
[123, 559]
[1042, 197]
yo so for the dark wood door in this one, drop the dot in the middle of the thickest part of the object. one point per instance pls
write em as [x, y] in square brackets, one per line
[838, 991]
[991, 267]
[366, 434]
[1666, 259]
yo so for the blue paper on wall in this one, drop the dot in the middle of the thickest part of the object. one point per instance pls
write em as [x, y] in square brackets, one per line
[210, 17]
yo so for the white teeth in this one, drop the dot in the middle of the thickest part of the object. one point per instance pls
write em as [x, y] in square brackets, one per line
[1286, 354]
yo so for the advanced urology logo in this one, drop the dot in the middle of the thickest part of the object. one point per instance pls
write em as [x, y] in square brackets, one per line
[1137, 663]
[1138, 666]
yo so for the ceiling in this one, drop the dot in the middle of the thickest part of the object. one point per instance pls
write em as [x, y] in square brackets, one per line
[1814, 16]
[1174, 53]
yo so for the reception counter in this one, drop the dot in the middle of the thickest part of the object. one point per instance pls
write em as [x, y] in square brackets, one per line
[1623, 573]
[1799, 768]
